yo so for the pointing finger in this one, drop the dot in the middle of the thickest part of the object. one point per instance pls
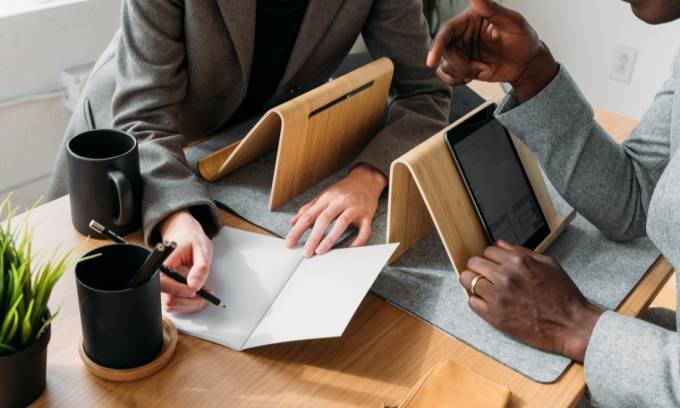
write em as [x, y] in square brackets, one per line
[500, 16]
[452, 29]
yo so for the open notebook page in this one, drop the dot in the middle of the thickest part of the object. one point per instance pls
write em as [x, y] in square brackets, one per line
[248, 272]
[322, 295]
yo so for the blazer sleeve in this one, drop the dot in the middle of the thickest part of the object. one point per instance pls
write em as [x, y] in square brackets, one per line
[151, 82]
[420, 103]
[611, 185]
[629, 362]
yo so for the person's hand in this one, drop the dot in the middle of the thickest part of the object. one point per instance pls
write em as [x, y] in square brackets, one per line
[531, 298]
[492, 43]
[194, 254]
[351, 201]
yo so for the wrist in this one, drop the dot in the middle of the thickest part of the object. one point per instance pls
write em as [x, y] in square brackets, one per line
[173, 219]
[584, 320]
[375, 179]
[537, 74]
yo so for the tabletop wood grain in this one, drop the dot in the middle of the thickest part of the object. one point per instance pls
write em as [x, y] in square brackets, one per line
[382, 354]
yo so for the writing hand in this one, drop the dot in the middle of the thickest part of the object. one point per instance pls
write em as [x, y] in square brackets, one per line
[492, 43]
[351, 201]
[194, 254]
[531, 298]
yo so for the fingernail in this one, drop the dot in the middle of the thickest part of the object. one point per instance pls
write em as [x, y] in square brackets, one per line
[321, 250]
[483, 75]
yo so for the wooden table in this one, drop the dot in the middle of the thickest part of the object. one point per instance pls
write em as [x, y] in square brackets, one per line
[381, 356]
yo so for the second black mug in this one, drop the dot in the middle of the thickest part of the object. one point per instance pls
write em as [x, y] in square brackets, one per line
[122, 326]
[104, 180]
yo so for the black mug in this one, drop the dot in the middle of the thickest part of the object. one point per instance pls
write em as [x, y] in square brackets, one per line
[122, 327]
[104, 181]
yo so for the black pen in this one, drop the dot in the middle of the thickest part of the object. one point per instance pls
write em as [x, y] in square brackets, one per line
[149, 267]
[176, 276]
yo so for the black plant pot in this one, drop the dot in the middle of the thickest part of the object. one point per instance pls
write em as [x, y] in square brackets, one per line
[23, 374]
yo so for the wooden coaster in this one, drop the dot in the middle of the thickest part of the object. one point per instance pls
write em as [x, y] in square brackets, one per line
[137, 373]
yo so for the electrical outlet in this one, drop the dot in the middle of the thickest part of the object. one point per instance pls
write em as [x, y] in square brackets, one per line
[624, 64]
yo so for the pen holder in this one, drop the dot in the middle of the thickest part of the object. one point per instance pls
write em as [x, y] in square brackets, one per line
[122, 327]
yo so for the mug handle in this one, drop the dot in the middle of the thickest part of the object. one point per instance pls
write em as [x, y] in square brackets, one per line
[125, 201]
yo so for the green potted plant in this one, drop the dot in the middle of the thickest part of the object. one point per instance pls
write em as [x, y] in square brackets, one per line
[25, 288]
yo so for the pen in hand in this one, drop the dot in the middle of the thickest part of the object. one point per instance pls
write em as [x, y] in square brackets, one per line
[176, 276]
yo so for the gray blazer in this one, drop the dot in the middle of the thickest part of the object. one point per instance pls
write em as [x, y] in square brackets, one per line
[177, 71]
[628, 191]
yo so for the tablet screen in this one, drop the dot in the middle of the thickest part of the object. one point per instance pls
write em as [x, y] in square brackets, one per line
[499, 186]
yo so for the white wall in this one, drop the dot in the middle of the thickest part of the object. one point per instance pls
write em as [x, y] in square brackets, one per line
[32, 131]
[584, 34]
[37, 41]
[36, 45]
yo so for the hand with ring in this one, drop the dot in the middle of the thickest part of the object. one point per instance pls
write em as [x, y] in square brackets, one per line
[530, 297]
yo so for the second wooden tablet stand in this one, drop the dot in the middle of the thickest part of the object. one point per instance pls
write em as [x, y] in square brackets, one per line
[427, 192]
[316, 133]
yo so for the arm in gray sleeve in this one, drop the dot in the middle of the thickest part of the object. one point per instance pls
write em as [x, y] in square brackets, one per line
[629, 362]
[420, 106]
[632, 363]
[609, 184]
[150, 85]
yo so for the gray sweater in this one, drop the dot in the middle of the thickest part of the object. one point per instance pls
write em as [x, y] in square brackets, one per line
[627, 191]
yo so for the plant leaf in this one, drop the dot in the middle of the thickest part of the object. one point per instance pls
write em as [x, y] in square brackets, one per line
[47, 323]
[26, 327]
[9, 325]
[25, 286]
[13, 326]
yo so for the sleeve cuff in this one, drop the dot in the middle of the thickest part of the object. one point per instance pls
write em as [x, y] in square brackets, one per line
[555, 108]
[160, 207]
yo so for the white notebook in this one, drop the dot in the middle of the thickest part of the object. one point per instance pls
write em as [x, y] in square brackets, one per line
[274, 295]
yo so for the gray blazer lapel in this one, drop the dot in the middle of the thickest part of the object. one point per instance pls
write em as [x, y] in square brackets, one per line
[239, 16]
[317, 20]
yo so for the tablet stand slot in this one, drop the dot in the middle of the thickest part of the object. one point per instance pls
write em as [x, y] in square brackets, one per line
[316, 134]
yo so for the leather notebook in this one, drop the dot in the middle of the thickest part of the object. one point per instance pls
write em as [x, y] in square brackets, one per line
[449, 385]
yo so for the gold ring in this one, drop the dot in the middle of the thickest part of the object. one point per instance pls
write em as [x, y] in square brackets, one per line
[473, 285]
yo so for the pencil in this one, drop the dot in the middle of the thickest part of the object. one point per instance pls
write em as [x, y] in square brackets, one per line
[176, 276]
[97, 227]
[152, 262]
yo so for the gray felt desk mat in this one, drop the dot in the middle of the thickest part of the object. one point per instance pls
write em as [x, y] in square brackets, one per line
[423, 283]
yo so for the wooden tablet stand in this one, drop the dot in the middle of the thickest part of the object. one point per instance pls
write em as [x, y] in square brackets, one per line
[427, 192]
[316, 133]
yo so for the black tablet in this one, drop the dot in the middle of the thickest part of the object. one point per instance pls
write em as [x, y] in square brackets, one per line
[496, 181]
